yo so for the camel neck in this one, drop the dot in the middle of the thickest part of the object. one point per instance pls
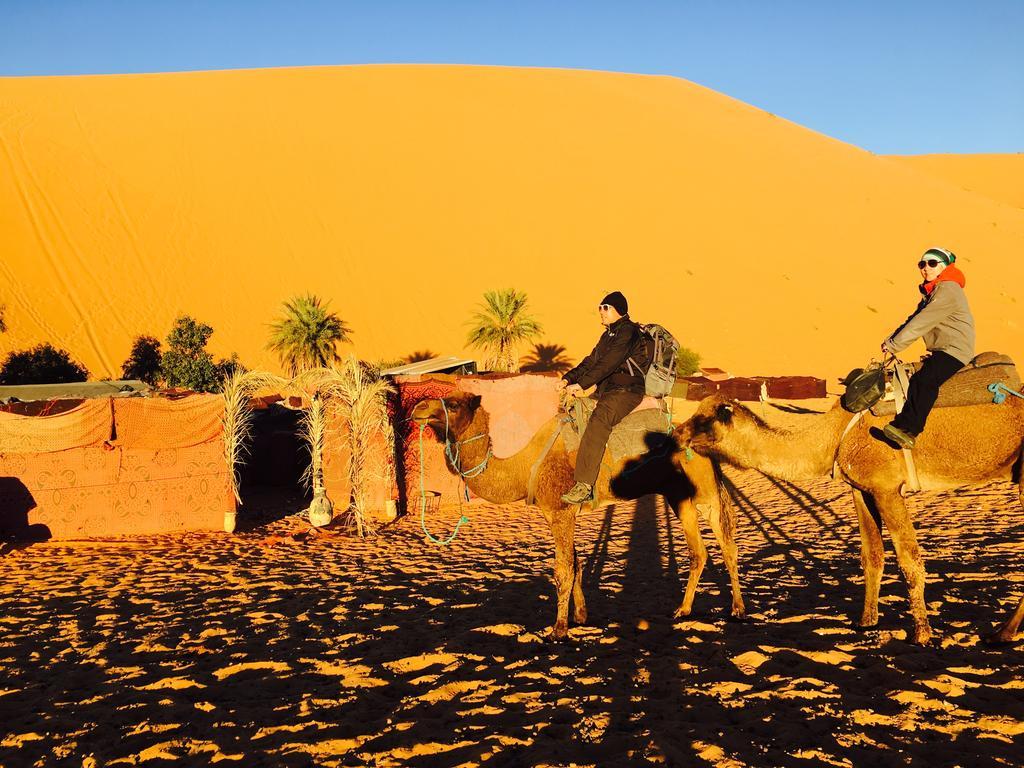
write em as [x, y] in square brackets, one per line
[801, 454]
[501, 480]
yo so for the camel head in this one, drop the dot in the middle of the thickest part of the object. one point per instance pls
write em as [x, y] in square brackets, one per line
[716, 420]
[454, 413]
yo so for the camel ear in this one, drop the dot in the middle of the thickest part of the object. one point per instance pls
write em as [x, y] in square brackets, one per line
[724, 413]
[474, 403]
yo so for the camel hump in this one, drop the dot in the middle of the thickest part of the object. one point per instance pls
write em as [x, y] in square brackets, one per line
[970, 385]
[991, 358]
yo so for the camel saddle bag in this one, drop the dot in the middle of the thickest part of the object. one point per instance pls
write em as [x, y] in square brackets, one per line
[864, 387]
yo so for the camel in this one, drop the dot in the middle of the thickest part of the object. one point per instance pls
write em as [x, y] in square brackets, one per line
[461, 420]
[963, 445]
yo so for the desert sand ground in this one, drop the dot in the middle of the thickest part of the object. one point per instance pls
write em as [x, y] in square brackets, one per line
[262, 648]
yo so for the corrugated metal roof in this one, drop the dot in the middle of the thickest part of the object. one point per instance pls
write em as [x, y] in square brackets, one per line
[433, 365]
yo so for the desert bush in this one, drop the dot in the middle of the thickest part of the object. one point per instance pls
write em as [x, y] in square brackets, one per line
[687, 362]
[186, 363]
[143, 361]
[42, 364]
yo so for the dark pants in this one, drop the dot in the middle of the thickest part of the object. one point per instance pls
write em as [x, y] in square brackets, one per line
[924, 388]
[612, 407]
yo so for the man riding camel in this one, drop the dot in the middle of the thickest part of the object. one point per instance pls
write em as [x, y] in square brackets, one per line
[944, 322]
[617, 366]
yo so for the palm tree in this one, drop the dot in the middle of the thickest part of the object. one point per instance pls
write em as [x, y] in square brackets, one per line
[499, 326]
[546, 357]
[419, 356]
[307, 335]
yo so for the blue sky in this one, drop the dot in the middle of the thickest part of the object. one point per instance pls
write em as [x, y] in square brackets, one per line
[901, 76]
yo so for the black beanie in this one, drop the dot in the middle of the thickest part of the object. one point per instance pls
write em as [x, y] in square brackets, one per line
[617, 300]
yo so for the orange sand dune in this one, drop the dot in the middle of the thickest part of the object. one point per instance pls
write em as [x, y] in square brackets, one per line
[1000, 177]
[402, 193]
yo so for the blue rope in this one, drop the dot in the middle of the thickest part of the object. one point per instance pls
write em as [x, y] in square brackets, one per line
[423, 505]
[1000, 391]
[455, 458]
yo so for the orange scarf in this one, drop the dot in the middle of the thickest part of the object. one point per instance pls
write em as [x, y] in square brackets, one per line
[951, 273]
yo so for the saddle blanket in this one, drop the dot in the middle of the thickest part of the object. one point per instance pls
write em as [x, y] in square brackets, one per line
[630, 437]
[968, 386]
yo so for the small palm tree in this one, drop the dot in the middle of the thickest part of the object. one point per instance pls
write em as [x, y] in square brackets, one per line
[500, 325]
[544, 358]
[307, 336]
[419, 356]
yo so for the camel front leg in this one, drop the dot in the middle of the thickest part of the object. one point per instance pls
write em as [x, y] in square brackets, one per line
[904, 539]
[723, 526]
[579, 603]
[872, 554]
[563, 525]
[1006, 633]
[698, 554]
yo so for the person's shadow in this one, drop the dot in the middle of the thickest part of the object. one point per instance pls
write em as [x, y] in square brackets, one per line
[16, 501]
[653, 471]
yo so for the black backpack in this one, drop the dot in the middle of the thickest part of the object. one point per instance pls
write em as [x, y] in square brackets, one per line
[864, 387]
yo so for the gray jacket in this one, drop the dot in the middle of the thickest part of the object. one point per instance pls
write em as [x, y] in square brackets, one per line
[943, 320]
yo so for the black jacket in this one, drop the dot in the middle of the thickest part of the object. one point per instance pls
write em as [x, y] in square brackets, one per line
[606, 366]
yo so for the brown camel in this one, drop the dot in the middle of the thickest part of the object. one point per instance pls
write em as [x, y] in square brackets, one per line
[503, 481]
[963, 445]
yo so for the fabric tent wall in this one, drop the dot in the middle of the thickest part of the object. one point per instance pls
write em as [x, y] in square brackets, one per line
[518, 406]
[111, 467]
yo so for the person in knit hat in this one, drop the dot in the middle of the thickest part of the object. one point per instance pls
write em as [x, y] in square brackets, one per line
[618, 366]
[944, 322]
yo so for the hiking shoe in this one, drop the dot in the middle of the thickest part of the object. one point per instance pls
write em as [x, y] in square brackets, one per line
[578, 494]
[898, 436]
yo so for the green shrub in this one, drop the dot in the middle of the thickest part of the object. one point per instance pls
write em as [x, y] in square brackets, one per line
[43, 364]
[143, 361]
[687, 362]
[186, 363]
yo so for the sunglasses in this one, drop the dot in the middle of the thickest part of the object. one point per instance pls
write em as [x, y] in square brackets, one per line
[933, 263]
[604, 307]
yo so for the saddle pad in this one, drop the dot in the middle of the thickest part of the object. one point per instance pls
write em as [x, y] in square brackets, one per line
[628, 438]
[968, 386]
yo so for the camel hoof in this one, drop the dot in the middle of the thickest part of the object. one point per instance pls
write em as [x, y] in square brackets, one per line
[557, 635]
[738, 616]
[581, 621]
[997, 638]
[921, 636]
[681, 612]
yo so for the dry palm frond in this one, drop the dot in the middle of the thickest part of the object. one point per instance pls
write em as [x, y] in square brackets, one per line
[239, 387]
[237, 422]
[361, 400]
[313, 430]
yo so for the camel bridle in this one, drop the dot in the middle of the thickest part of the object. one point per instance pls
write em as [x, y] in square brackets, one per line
[453, 449]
